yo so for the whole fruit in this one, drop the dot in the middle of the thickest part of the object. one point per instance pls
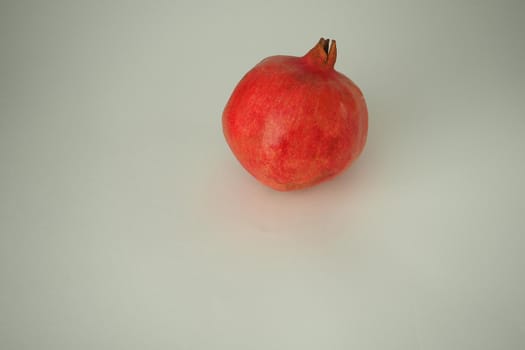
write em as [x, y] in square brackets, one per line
[293, 122]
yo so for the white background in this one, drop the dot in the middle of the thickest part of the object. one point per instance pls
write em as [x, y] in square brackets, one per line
[126, 223]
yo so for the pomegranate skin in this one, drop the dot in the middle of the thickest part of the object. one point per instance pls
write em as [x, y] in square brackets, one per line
[293, 122]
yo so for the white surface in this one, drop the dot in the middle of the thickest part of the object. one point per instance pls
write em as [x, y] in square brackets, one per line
[126, 223]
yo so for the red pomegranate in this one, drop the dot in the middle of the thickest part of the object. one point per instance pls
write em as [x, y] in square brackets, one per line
[293, 122]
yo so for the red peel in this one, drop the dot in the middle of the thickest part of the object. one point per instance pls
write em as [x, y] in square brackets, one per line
[293, 122]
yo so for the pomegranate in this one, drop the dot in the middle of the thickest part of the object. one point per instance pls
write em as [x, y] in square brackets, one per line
[293, 122]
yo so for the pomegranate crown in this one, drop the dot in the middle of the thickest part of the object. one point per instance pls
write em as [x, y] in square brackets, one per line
[323, 54]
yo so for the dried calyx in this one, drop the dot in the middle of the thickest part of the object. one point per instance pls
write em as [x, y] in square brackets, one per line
[323, 54]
